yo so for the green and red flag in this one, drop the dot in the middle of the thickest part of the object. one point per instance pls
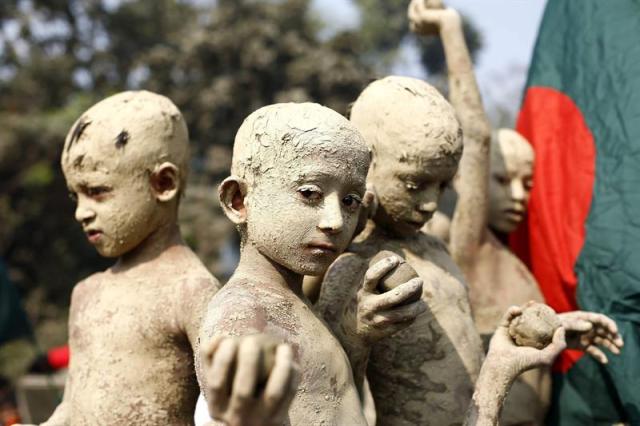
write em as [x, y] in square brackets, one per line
[581, 113]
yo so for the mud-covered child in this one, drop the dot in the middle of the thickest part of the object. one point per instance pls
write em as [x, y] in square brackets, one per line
[297, 181]
[133, 328]
[494, 182]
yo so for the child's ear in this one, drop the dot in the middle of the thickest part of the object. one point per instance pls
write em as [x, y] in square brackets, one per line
[165, 182]
[232, 192]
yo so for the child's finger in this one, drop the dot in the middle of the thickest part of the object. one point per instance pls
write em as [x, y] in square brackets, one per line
[278, 385]
[403, 314]
[579, 325]
[557, 345]
[399, 295]
[379, 270]
[246, 377]
[605, 342]
[597, 354]
[208, 349]
[512, 312]
[219, 376]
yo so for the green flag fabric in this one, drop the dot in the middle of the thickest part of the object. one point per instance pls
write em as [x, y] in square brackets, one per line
[581, 113]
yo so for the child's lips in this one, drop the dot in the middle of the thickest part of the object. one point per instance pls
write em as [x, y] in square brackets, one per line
[514, 215]
[93, 235]
[325, 247]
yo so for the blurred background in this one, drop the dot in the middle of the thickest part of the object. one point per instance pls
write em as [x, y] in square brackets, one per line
[218, 61]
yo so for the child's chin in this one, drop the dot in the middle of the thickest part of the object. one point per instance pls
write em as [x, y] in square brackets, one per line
[110, 252]
[312, 268]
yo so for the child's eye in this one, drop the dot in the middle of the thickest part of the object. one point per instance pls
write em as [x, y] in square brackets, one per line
[528, 184]
[310, 193]
[97, 191]
[411, 186]
[352, 201]
[502, 180]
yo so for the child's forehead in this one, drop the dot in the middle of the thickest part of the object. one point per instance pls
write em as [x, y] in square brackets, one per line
[87, 165]
[424, 167]
[335, 169]
[101, 133]
[339, 167]
[90, 173]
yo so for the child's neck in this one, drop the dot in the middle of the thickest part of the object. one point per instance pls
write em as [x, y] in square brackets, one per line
[376, 230]
[254, 264]
[157, 243]
[500, 236]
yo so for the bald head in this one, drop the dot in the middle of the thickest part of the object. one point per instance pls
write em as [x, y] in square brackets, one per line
[407, 119]
[274, 138]
[130, 131]
[509, 144]
[416, 141]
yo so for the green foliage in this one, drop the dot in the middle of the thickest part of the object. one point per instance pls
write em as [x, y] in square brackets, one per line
[219, 63]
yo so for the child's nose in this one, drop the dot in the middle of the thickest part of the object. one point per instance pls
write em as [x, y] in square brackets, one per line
[517, 190]
[428, 207]
[331, 219]
[84, 213]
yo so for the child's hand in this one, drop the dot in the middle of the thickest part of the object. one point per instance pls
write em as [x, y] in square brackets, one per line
[381, 315]
[429, 18]
[588, 330]
[249, 380]
[514, 360]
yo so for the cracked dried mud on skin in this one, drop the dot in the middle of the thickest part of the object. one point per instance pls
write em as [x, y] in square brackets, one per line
[133, 328]
[425, 373]
[416, 144]
[277, 150]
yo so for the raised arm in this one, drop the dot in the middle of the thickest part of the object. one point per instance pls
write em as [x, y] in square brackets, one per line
[470, 217]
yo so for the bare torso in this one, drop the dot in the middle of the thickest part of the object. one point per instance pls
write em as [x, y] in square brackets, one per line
[497, 280]
[425, 374]
[326, 394]
[131, 336]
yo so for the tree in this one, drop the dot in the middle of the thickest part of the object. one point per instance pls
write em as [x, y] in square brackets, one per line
[217, 64]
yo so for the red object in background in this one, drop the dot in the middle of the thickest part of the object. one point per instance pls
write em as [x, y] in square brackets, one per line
[58, 357]
[12, 419]
[550, 240]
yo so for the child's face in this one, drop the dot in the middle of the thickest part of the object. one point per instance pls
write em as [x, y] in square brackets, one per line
[409, 189]
[510, 182]
[304, 215]
[117, 210]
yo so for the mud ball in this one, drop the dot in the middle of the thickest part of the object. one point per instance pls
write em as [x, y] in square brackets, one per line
[398, 275]
[535, 327]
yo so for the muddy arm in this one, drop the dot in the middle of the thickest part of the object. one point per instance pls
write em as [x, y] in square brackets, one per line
[358, 314]
[248, 377]
[61, 416]
[504, 363]
[470, 217]
[336, 305]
